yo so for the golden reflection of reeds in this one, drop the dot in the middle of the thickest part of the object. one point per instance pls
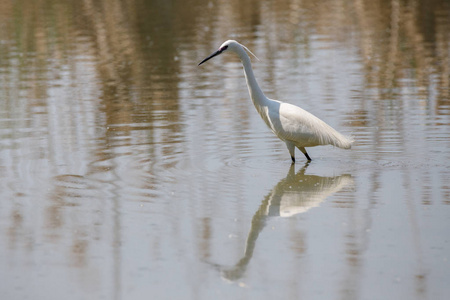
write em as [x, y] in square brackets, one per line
[131, 42]
[442, 45]
[397, 40]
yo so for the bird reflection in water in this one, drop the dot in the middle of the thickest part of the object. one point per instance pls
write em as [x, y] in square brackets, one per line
[295, 194]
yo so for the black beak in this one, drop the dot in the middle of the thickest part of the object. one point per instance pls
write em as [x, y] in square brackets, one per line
[211, 56]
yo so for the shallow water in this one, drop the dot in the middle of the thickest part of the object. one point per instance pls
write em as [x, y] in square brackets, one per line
[128, 172]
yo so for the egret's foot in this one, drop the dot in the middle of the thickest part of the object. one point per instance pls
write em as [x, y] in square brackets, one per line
[303, 150]
[307, 156]
[293, 159]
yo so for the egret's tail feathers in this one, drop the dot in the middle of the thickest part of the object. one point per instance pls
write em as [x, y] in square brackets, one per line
[329, 136]
[344, 142]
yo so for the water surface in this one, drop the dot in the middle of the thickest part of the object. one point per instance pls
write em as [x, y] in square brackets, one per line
[127, 172]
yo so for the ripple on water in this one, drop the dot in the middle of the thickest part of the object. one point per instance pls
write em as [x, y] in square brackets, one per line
[72, 190]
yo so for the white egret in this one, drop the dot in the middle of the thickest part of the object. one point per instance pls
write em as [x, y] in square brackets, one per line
[292, 124]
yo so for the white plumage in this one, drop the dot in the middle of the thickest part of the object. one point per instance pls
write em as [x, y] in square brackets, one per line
[292, 124]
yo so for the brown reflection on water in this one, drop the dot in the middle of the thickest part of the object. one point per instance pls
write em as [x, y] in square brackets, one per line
[134, 46]
[403, 38]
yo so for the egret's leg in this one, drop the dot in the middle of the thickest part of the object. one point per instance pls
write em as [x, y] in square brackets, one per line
[291, 148]
[304, 152]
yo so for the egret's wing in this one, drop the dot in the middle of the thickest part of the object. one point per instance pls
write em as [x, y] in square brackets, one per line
[293, 123]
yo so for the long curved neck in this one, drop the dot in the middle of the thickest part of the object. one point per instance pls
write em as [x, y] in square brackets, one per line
[257, 95]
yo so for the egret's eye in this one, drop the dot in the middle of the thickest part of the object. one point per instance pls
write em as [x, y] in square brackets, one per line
[223, 48]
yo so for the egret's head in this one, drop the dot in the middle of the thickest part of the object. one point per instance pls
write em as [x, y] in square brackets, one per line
[227, 46]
